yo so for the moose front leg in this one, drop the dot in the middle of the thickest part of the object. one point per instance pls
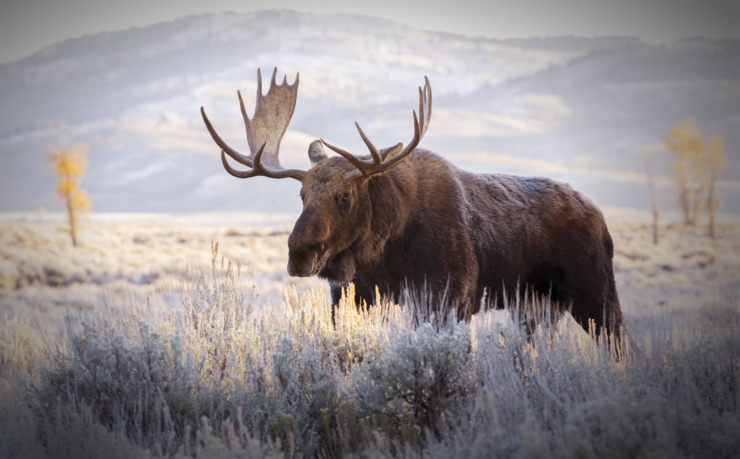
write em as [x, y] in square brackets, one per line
[359, 296]
[336, 290]
[339, 270]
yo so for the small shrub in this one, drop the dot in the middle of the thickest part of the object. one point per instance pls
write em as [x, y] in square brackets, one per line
[420, 379]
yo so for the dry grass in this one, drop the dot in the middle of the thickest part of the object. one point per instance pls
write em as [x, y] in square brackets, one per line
[192, 364]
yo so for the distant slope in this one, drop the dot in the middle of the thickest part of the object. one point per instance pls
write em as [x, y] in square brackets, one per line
[577, 109]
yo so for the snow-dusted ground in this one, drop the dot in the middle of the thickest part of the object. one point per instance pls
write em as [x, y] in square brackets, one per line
[136, 254]
[121, 257]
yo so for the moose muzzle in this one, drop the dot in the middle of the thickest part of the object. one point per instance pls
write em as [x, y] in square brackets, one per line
[303, 263]
[307, 245]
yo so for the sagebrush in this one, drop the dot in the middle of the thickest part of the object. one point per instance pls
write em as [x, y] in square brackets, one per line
[213, 375]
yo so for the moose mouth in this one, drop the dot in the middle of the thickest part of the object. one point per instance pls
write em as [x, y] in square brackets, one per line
[307, 264]
[319, 264]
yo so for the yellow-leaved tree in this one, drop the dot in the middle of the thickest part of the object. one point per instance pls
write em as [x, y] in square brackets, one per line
[686, 142]
[699, 162]
[69, 164]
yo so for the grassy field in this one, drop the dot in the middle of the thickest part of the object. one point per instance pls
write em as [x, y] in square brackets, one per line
[151, 340]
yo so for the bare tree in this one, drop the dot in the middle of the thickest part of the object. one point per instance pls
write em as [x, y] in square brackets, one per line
[715, 159]
[653, 203]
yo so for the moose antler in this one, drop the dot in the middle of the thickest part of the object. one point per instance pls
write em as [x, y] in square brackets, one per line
[265, 130]
[378, 163]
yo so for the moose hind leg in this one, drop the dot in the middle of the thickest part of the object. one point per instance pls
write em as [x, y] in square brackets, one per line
[602, 315]
[547, 288]
[549, 279]
[542, 297]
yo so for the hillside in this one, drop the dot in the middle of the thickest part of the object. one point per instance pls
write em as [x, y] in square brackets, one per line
[575, 109]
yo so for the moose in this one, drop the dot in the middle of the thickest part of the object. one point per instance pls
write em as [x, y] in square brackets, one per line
[403, 216]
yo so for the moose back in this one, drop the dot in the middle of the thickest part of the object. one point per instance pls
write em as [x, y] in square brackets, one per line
[403, 216]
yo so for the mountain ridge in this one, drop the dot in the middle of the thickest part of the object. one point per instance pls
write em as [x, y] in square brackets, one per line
[134, 96]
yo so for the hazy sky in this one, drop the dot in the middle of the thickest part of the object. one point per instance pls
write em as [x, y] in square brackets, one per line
[26, 26]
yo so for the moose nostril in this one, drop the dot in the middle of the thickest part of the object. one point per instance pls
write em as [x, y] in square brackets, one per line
[313, 248]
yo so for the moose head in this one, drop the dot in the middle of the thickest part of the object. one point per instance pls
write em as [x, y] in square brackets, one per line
[337, 206]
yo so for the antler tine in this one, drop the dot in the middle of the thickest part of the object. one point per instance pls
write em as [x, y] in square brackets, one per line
[234, 172]
[425, 108]
[255, 171]
[364, 166]
[258, 169]
[420, 128]
[220, 142]
[246, 124]
[378, 164]
[357, 162]
[398, 157]
[373, 151]
[267, 172]
[259, 83]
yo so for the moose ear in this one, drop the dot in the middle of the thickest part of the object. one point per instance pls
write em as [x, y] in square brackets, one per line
[386, 153]
[316, 152]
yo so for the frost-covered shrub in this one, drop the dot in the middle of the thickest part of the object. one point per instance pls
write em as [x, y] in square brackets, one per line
[236, 442]
[150, 372]
[75, 433]
[218, 293]
[648, 424]
[20, 348]
[424, 376]
[210, 375]
[139, 384]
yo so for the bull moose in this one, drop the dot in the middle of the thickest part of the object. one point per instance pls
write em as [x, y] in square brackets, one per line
[404, 216]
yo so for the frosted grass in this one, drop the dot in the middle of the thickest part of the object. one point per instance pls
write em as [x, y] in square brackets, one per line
[211, 374]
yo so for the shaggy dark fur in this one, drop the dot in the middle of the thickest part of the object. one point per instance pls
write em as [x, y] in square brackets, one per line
[470, 236]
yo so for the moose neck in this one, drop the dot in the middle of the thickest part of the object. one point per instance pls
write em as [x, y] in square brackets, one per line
[391, 198]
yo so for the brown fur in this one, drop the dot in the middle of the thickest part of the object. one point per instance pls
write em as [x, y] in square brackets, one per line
[470, 236]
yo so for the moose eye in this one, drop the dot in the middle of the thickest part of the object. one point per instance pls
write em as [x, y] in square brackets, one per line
[342, 200]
